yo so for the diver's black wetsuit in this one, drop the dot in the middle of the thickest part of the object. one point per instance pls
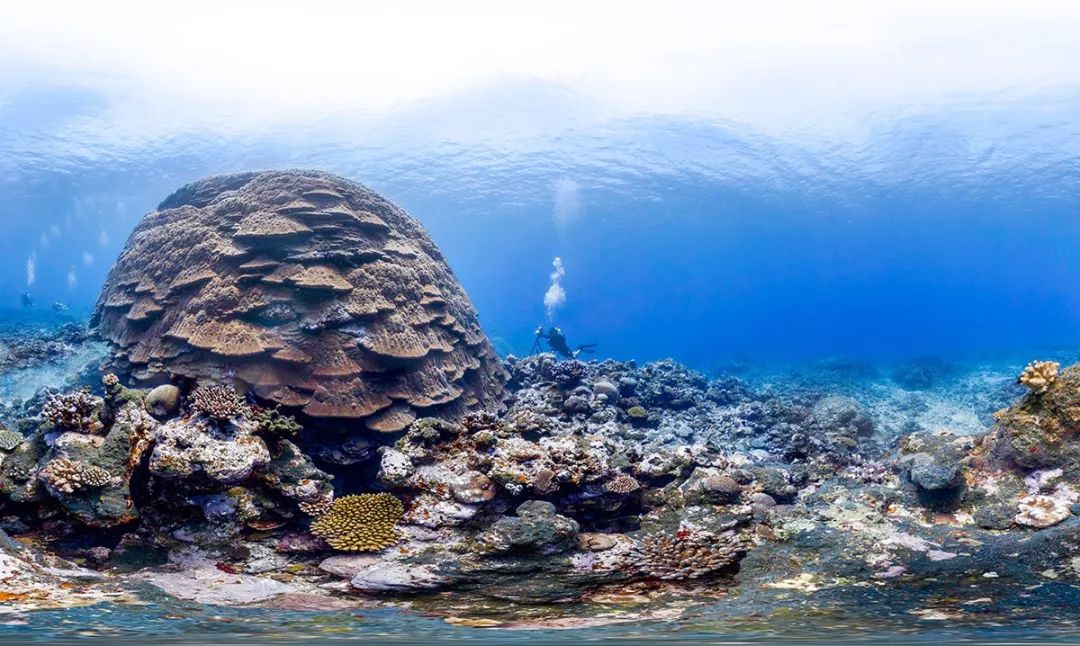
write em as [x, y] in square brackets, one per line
[557, 342]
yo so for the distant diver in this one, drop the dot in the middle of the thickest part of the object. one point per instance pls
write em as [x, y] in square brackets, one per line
[26, 300]
[60, 307]
[556, 340]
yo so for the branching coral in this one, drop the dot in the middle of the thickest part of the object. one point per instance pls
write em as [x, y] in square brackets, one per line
[685, 556]
[68, 476]
[622, 484]
[1038, 375]
[219, 402]
[319, 506]
[76, 411]
[361, 523]
[273, 422]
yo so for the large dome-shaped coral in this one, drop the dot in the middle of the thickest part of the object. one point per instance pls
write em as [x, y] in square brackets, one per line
[311, 291]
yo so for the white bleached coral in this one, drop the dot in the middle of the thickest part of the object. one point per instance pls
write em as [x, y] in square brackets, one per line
[1041, 511]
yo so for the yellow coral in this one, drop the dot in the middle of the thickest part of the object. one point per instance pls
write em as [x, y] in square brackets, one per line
[1038, 375]
[361, 523]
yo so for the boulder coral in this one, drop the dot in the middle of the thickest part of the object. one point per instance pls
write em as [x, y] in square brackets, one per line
[310, 291]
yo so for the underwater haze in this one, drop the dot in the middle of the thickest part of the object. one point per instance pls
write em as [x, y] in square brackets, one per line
[812, 246]
[948, 232]
[888, 229]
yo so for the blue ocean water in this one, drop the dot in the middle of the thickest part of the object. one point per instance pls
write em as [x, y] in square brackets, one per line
[948, 231]
[944, 231]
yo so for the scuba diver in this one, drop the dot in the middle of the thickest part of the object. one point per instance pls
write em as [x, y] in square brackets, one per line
[26, 300]
[556, 340]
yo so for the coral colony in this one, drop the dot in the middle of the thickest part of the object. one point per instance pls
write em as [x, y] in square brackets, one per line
[295, 375]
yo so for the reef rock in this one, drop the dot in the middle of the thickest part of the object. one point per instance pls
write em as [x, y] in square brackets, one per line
[309, 290]
[186, 448]
[1042, 428]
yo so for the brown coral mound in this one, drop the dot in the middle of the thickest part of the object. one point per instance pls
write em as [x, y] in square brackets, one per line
[363, 523]
[622, 484]
[310, 290]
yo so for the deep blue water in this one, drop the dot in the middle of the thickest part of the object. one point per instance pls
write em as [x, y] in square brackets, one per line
[946, 231]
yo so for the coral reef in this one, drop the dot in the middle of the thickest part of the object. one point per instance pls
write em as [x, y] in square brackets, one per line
[360, 523]
[1037, 432]
[1041, 511]
[687, 555]
[163, 401]
[299, 286]
[9, 439]
[1038, 375]
[218, 402]
[67, 476]
[600, 479]
[186, 449]
[77, 411]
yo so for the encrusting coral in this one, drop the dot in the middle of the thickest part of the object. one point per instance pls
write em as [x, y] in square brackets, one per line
[9, 439]
[360, 523]
[1041, 511]
[1038, 375]
[76, 411]
[218, 402]
[298, 286]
